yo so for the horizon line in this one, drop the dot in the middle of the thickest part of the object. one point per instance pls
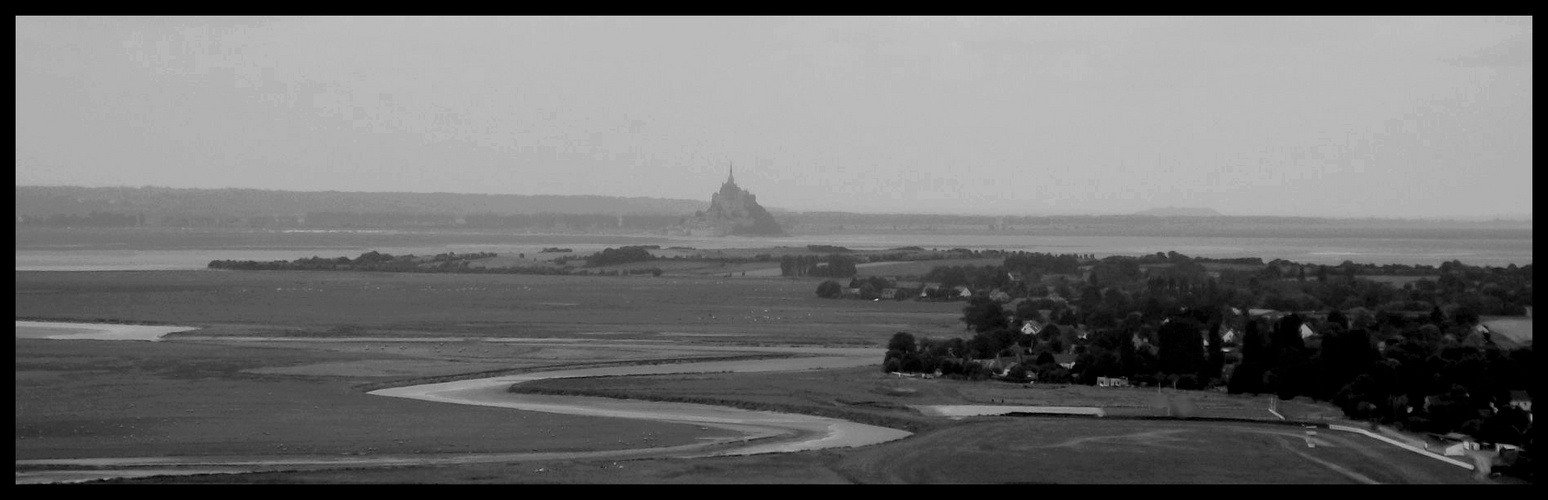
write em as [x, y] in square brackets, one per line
[1502, 217]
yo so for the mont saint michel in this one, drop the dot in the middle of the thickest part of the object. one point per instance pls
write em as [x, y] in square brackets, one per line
[997, 249]
[734, 211]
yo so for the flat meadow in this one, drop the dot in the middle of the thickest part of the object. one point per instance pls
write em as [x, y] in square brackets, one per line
[334, 335]
[513, 306]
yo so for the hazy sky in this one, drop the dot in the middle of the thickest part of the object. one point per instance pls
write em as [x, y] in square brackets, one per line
[1387, 117]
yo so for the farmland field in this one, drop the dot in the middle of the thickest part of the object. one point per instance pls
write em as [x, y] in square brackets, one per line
[508, 306]
[281, 362]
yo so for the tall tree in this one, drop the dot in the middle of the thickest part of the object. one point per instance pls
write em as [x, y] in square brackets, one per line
[1215, 357]
[1248, 375]
[1337, 318]
[1182, 347]
[902, 342]
[1289, 372]
[983, 314]
[829, 289]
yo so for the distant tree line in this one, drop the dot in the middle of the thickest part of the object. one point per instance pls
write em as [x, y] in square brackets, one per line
[831, 266]
[1425, 380]
[369, 261]
[620, 255]
[1413, 355]
[443, 263]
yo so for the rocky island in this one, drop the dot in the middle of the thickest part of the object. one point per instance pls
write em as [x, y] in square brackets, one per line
[734, 211]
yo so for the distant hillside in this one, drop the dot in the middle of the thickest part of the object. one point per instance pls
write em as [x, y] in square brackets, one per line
[1180, 212]
[818, 223]
[43, 201]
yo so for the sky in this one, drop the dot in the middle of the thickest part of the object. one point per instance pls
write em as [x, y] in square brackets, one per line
[1292, 116]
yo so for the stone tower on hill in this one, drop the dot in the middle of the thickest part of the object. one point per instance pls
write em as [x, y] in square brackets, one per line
[735, 211]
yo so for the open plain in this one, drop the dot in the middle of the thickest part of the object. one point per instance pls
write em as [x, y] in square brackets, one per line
[275, 384]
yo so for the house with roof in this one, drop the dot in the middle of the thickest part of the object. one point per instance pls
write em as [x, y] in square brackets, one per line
[888, 293]
[1460, 448]
[1112, 381]
[962, 292]
[1031, 327]
[1228, 335]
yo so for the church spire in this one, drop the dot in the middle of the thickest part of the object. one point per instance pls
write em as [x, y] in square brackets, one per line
[731, 179]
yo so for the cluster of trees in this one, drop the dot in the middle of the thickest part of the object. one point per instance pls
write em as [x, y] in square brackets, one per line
[976, 277]
[443, 263]
[620, 255]
[1435, 374]
[830, 266]
[1438, 375]
[1114, 285]
[829, 289]
[945, 356]
[369, 261]
[1493, 291]
[1409, 355]
[868, 288]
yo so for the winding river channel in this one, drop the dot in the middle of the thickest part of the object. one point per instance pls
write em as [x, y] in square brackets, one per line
[759, 431]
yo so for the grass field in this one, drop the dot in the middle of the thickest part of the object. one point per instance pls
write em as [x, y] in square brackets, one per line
[204, 393]
[983, 451]
[389, 304]
[136, 399]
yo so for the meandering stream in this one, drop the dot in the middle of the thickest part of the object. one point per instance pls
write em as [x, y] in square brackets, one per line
[761, 431]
